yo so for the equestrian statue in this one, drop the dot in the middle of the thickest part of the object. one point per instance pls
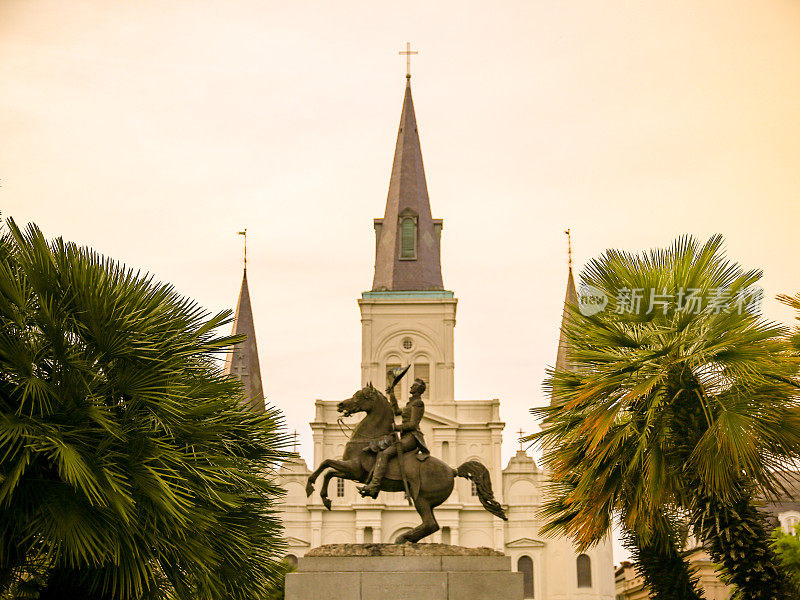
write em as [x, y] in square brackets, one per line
[391, 457]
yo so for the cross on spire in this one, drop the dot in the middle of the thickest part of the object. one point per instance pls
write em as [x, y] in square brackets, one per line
[408, 52]
[569, 247]
[244, 233]
[521, 442]
[295, 435]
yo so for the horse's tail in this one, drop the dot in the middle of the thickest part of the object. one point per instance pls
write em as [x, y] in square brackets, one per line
[479, 475]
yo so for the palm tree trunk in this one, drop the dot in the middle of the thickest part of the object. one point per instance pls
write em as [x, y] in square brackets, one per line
[660, 561]
[737, 537]
[733, 531]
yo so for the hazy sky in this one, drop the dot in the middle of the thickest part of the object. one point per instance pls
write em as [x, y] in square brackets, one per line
[154, 131]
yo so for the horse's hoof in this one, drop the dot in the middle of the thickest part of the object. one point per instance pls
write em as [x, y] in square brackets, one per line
[402, 540]
[327, 503]
[309, 489]
[368, 492]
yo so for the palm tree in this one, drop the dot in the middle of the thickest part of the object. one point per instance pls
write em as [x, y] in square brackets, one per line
[794, 335]
[674, 407]
[129, 467]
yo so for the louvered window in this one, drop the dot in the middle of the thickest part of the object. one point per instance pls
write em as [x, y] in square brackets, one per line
[408, 238]
[390, 370]
[423, 371]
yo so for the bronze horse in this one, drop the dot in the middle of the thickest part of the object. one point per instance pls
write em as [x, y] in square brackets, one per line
[430, 480]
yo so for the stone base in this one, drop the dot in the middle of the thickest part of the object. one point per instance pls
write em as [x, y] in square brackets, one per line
[403, 572]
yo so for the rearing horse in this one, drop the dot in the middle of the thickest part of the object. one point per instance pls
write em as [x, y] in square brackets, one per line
[430, 481]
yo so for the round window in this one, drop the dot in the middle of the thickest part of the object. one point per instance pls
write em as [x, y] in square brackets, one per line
[407, 343]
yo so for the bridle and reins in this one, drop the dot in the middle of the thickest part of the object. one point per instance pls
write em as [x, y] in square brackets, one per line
[348, 434]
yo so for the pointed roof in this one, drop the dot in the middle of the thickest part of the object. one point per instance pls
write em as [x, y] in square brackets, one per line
[408, 197]
[570, 299]
[242, 361]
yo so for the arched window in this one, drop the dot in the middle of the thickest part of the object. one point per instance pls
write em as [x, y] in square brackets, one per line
[445, 534]
[446, 452]
[584, 566]
[789, 521]
[340, 487]
[390, 367]
[367, 535]
[423, 371]
[525, 566]
[408, 238]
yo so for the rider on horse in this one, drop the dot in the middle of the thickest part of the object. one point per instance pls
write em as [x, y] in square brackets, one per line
[411, 437]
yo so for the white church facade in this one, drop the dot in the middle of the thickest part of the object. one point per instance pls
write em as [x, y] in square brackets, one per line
[408, 318]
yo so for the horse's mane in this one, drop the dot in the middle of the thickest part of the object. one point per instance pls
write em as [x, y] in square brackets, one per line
[369, 419]
[375, 392]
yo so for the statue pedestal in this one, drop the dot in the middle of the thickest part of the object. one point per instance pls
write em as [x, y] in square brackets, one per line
[403, 572]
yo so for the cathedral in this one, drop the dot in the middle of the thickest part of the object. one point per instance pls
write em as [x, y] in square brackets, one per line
[408, 317]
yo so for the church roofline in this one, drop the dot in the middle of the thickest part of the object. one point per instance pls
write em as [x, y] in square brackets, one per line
[525, 542]
[398, 294]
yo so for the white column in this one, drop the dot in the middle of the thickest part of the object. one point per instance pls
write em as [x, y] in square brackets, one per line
[499, 536]
[316, 529]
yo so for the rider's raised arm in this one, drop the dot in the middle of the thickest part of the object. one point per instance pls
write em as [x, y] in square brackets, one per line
[393, 401]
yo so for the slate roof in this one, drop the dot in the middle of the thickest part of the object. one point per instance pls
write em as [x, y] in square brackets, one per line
[570, 299]
[408, 195]
[242, 362]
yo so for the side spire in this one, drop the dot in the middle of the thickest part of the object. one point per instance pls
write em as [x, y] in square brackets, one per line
[407, 238]
[570, 299]
[242, 361]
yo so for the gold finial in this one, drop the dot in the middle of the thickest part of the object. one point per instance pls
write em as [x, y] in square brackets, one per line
[569, 247]
[521, 441]
[244, 233]
[408, 52]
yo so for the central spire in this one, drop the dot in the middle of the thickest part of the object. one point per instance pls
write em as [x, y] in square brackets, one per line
[407, 238]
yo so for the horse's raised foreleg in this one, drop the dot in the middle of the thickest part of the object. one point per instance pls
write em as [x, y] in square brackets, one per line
[428, 526]
[353, 472]
[313, 477]
[323, 492]
[349, 468]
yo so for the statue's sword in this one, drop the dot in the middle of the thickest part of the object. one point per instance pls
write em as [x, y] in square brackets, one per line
[398, 444]
[399, 374]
